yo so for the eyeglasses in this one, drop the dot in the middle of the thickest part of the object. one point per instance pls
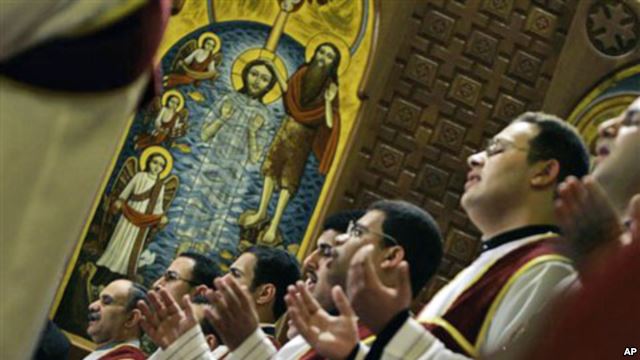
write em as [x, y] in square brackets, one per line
[171, 276]
[496, 146]
[356, 230]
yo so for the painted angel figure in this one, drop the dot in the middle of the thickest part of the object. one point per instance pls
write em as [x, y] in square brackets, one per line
[141, 198]
[195, 61]
[169, 121]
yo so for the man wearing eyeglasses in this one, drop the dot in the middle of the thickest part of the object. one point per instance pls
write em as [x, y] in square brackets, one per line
[397, 232]
[190, 273]
[114, 322]
[250, 342]
[264, 271]
[509, 195]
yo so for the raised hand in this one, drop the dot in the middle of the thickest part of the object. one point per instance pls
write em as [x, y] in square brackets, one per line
[331, 92]
[333, 337]
[586, 216]
[375, 303]
[164, 321]
[234, 315]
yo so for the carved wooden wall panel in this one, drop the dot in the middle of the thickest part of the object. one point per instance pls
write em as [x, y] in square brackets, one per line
[464, 69]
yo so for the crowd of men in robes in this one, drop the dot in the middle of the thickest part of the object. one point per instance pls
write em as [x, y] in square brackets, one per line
[558, 267]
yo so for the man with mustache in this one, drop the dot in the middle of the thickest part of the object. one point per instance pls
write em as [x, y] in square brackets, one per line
[114, 322]
[312, 124]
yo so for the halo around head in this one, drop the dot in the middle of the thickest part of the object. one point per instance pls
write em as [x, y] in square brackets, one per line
[325, 37]
[153, 150]
[209, 35]
[177, 94]
[254, 54]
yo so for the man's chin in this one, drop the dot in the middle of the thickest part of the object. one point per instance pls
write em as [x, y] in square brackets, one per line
[465, 199]
[92, 334]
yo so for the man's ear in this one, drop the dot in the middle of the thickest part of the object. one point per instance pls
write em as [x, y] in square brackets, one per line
[212, 341]
[135, 316]
[392, 257]
[265, 294]
[545, 173]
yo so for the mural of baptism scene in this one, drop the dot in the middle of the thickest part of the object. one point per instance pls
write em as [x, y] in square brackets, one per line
[256, 110]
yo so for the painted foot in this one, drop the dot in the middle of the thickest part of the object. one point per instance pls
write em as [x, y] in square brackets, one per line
[270, 237]
[250, 218]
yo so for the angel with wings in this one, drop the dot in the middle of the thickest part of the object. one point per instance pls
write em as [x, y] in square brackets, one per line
[142, 199]
[195, 61]
[169, 121]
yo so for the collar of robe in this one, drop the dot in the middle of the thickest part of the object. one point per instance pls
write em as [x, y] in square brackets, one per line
[517, 234]
[269, 329]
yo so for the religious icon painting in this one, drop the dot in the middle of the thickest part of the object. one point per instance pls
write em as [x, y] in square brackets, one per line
[240, 149]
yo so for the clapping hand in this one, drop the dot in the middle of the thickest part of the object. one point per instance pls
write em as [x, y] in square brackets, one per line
[586, 216]
[163, 320]
[234, 315]
[333, 337]
[375, 303]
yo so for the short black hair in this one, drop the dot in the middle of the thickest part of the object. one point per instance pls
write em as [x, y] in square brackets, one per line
[340, 221]
[204, 270]
[136, 293]
[557, 140]
[277, 267]
[417, 233]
